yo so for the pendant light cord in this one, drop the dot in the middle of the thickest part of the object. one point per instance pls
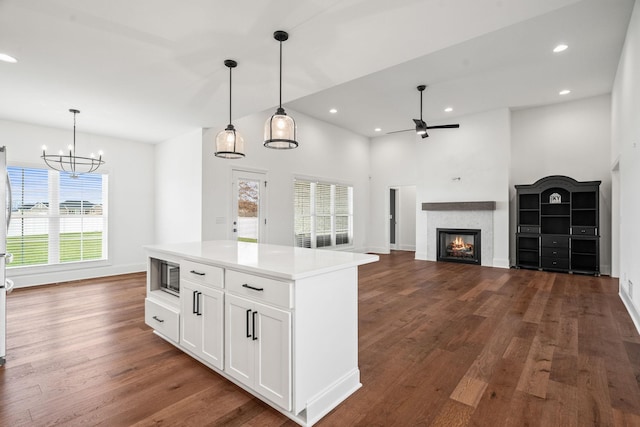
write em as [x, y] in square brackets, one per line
[281, 74]
[229, 95]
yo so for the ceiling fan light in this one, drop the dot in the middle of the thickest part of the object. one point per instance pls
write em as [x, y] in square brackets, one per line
[229, 144]
[280, 131]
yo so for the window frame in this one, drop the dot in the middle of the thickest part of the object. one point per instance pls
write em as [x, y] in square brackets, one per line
[105, 261]
[313, 213]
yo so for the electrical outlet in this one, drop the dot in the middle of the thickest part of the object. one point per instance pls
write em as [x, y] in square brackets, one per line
[630, 289]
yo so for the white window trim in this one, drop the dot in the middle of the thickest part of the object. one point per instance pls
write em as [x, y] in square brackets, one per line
[25, 270]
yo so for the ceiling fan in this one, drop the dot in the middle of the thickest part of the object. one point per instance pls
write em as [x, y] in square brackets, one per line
[421, 125]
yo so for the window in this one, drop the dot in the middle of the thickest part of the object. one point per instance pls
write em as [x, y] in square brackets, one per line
[323, 214]
[56, 219]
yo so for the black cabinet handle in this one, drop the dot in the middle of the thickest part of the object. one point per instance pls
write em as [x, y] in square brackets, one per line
[159, 320]
[197, 272]
[194, 308]
[583, 231]
[251, 287]
[248, 332]
[253, 321]
[199, 313]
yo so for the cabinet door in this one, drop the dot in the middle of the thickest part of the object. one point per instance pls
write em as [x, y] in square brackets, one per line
[212, 308]
[190, 321]
[273, 354]
[239, 345]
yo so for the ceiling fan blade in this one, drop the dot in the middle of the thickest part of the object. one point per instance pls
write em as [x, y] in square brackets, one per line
[425, 135]
[456, 126]
[398, 131]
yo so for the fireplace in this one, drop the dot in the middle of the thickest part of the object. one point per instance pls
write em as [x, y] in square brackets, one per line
[458, 245]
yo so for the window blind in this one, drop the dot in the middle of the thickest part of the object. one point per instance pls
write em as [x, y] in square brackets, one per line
[322, 214]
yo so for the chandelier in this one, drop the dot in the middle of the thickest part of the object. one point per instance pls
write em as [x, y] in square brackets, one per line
[70, 163]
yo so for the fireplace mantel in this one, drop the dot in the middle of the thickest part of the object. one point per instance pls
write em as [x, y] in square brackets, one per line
[459, 206]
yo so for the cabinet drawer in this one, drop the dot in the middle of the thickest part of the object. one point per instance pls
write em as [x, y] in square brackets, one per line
[583, 231]
[202, 273]
[555, 241]
[260, 288]
[163, 319]
[555, 252]
[559, 263]
[529, 229]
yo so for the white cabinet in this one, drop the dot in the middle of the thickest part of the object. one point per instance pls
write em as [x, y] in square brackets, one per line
[281, 322]
[258, 348]
[202, 321]
[202, 311]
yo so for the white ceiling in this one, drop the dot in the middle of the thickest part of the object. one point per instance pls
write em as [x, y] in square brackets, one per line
[149, 70]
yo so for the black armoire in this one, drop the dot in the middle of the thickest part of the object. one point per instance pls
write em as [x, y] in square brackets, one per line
[558, 225]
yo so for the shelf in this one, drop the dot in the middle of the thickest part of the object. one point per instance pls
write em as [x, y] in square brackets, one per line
[573, 220]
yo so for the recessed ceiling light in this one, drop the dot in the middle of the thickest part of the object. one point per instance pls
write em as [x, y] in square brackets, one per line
[560, 48]
[7, 58]
[333, 111]
[377, 130]
[564, 92]
[448, 110]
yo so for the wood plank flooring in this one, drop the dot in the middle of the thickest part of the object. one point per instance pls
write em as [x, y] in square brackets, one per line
[441, 344]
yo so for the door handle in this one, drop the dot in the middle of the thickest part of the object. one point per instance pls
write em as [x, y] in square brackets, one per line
[248, 332]
[199, 312]
[194, 308]
[253, 322]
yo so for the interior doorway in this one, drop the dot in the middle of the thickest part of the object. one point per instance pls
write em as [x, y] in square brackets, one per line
[401, 214]
[249, 202]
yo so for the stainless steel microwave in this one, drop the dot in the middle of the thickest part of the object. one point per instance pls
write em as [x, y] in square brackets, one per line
[170, 277]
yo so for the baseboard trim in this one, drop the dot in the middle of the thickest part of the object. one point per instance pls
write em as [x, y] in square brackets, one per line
[635, 316]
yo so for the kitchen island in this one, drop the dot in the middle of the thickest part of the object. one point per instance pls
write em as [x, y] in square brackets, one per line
[281, 322]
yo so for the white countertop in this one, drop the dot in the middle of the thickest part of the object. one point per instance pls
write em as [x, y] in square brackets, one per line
[285, 262]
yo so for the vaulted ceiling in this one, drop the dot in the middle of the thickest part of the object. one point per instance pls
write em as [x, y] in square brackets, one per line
[149, 70]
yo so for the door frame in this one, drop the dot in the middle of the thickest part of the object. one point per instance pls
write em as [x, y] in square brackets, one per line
[260, 175]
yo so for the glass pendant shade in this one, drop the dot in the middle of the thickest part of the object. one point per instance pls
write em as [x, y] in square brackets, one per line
[229, 144]
[280, 131]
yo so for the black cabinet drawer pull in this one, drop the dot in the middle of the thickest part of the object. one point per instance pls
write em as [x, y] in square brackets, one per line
[583, 231]
[197, 272]
[157, 319]
[248, 331]
[251, 287]
[199, 312]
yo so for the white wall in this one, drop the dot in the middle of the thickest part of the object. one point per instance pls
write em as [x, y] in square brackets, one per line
[178, 177]
[478, 153]
[406, 237]
[130, 166]
[626, 148]
[571, 139]
[468, 164]
[325, 152]
[393, 165]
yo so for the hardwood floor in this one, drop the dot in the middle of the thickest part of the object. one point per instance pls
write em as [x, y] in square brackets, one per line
[441, 344]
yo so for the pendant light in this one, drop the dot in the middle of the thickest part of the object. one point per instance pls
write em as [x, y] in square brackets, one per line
[229, 142]
[70, 163]
[280, 129]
